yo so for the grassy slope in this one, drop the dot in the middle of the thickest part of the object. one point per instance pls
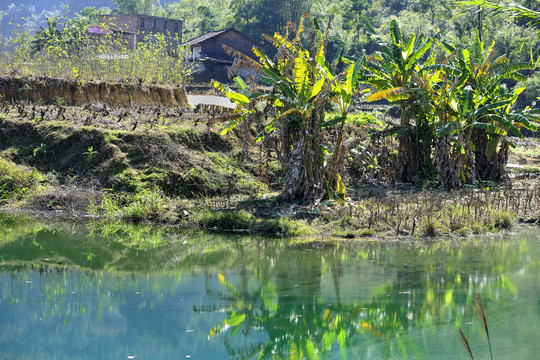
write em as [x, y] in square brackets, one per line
[102, 151]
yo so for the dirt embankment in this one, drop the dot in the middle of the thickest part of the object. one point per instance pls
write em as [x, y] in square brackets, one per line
[52, 90]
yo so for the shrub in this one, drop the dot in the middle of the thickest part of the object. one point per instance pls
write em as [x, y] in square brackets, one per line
[16, 179]
[55, 53]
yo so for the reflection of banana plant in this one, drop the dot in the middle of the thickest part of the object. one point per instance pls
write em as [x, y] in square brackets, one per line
[297, 326]
[284, 302]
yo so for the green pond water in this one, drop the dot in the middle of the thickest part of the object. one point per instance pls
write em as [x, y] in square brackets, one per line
[71, 291]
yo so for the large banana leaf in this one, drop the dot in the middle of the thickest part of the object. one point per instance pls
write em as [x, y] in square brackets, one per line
[447, 128]
[334, 121]
[352, 75]
[392, 95]
[511, 70]
[232, 124]
[409, 48]
[505, 123]
[466, 105]
[489, 108]
[301, 72]
[395, 33]
[490, 128]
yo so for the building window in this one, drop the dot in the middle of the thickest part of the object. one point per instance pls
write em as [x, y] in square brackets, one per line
[176, 27]
[154, 24]
[142, 23]
[165, 25]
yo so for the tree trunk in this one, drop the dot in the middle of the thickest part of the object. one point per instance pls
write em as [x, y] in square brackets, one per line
[303, 181]
[447, 166]
[489, 166]
[414, 153]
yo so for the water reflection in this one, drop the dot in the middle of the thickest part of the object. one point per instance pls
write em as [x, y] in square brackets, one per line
[329, 301]
[160, 294]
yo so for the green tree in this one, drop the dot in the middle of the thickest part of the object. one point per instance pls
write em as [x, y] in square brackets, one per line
[200, 16]
[147, 7]
[91, 13]
[353, 13]
[258, 17]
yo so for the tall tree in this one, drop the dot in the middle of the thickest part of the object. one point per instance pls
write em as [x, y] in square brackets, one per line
[257, 17]
[147, 7]
[200, 16]
[353, 14]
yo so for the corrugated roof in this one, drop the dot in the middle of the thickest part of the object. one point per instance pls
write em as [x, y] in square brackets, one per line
[211, 34]
[139, 15]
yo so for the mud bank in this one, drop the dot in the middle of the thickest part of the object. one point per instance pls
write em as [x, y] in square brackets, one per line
[52, 90]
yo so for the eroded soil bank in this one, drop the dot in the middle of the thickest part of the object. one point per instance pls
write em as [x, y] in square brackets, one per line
[46, 90]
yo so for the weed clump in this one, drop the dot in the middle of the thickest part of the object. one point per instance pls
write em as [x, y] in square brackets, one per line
[430, 227]
[142, 206]
[17, 180]
[227, 220]
[503, 219]
[243, 221]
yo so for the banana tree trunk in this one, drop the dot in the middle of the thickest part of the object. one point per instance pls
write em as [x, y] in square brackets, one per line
[447, 164]
[490, 165]
[303, 180]
[407, 164]
[415, 147]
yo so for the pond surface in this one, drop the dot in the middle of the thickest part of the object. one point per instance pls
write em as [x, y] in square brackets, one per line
[104, 292]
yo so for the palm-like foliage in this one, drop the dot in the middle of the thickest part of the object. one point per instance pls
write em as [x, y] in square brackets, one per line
[456, 111]
[393, 72]
[518, 11]
[293, 120]
[481, 111]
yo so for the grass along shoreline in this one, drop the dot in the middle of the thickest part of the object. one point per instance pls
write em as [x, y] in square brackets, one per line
[398, 214]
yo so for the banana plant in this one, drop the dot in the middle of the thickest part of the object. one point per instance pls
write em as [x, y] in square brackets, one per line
[486, 108]
[292, 122]
[474, 115]
[457, 113]
[393, 74]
